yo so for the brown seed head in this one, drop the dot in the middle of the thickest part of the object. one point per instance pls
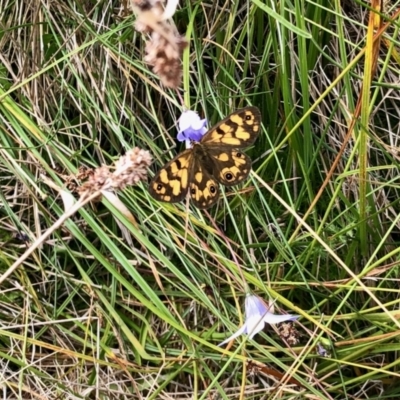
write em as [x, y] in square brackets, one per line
[129, 170]
[165, 45]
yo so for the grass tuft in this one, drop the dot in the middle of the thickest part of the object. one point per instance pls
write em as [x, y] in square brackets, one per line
[128, 297]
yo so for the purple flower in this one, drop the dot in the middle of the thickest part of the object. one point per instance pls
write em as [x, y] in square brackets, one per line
[257, 315]
[191, 127]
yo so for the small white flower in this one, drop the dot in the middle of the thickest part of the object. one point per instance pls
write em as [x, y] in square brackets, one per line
[257, 315]
[191, 127]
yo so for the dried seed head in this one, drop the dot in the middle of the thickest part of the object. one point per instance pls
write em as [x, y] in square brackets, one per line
[129, 170]
[289, 332]
[164, 53]
[165, 46]
[96, 182]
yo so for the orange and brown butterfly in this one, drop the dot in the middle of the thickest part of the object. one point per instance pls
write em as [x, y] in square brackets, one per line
[215, 159]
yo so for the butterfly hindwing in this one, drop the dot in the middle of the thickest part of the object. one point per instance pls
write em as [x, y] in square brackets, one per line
[231, 166]
[204, 188]
[171, 183]
[240, 129]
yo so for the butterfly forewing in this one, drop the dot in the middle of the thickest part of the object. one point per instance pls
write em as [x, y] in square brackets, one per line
[171, 183]
[240, 129]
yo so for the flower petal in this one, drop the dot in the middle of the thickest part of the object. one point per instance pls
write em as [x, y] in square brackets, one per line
[181, 136]
[254, 324]
[254, 306]
[270, 318]
[199, 125]
[188, 119]
[170, 9]
[194, 134]
[241, 330]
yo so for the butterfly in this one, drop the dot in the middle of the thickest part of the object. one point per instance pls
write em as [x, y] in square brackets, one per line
[215, 159]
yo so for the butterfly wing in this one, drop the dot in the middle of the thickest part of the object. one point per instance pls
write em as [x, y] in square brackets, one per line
[230, 166]
[240, 129]
[204, 188]
[171, 183]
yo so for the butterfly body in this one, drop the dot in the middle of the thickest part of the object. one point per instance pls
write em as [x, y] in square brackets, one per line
[215, 159]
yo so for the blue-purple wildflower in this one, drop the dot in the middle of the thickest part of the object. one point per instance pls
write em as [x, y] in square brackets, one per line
[191, 127]
[257, 315]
